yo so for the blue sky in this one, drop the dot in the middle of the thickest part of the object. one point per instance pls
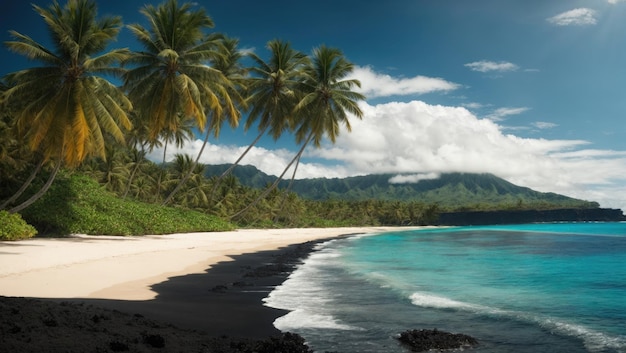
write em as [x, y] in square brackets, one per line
[530, 90]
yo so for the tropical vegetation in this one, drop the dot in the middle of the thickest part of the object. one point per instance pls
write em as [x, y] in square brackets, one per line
[65, 109]
[13, 227]
[76, 130]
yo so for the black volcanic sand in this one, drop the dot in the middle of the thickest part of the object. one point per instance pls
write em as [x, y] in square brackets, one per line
[220, 310]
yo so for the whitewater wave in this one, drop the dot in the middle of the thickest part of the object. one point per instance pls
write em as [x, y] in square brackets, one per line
[593, 340]
[305, 296]
[303, 319]
[433, 301]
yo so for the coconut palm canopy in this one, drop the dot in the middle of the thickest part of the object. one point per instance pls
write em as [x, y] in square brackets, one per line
[66, 106]
[451, 86]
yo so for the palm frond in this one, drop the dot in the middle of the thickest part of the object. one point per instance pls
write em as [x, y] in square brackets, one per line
[26, 46]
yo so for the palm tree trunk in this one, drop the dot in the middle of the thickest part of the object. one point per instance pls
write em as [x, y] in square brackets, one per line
[275, 184]
[134, 171]
[158, 191]
[286, 192]
[232, 167]
[23, 187]
[40, 193]
[190, 171]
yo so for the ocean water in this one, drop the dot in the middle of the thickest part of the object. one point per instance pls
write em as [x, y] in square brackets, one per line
[523, 288]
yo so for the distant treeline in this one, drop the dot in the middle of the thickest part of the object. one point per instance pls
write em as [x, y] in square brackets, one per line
[530, 216]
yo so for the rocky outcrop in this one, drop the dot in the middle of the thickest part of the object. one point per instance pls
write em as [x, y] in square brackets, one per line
[425, 340]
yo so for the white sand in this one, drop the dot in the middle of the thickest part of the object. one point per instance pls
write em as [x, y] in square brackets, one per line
[124, 268]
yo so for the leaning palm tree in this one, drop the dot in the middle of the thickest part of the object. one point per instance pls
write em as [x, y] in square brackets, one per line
[14, 157]
[63, 108]
[272, 93]
[182, 132]
[169, 77]
[326, 100]
[228, 62]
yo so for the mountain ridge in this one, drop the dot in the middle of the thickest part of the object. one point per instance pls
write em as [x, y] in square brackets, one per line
[455, 191]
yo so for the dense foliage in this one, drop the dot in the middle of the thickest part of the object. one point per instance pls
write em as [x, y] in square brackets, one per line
[13, 227]
[65, 118]
[77, 204]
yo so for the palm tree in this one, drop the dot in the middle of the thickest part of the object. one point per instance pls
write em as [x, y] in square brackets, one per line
[228, 62]
[14, 156]
[183, 165]
[325, 102]
[114, 172]
[182, 132]
[170, 77]
[272, 94]
[64, 109]
[137, 140]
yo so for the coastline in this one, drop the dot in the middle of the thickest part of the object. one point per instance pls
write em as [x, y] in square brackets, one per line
[209, 301]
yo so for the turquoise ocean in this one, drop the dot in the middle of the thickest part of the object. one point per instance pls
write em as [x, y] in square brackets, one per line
[523, 288]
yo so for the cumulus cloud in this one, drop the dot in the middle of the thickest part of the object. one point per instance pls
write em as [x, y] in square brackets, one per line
[575, 17]
[488, 66]
[269, 161]
[375, 84]
[417, 140]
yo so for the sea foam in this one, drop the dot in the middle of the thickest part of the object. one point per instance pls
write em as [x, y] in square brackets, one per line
[303, 319]
[305, 296]
[438, 302]
[594, 341]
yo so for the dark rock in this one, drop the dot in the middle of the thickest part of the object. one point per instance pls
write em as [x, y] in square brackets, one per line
[156, 341]
[50, 322]
[424, 340]
[285, 343]
[15, 329]
[243, 284]
[117, 346]
[98, 318]
[219, 289]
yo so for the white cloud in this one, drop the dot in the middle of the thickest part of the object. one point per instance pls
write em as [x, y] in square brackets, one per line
[544, 125]
[417, 138]
[501, 113]
[271, 162]
[487, 66]
[473, 105]
[575, 17]
[615, 1]
[247, 50]
[413, 178]
[375, 84]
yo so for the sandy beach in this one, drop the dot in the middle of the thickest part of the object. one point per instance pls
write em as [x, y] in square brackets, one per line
[209, 283]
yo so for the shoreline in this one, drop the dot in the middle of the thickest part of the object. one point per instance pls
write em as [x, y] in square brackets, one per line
[210, 302]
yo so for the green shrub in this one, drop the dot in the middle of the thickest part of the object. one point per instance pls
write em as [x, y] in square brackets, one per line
[77, 204]
[13, 227]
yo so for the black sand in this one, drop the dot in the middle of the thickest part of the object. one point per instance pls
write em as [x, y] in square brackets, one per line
[220, 310]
